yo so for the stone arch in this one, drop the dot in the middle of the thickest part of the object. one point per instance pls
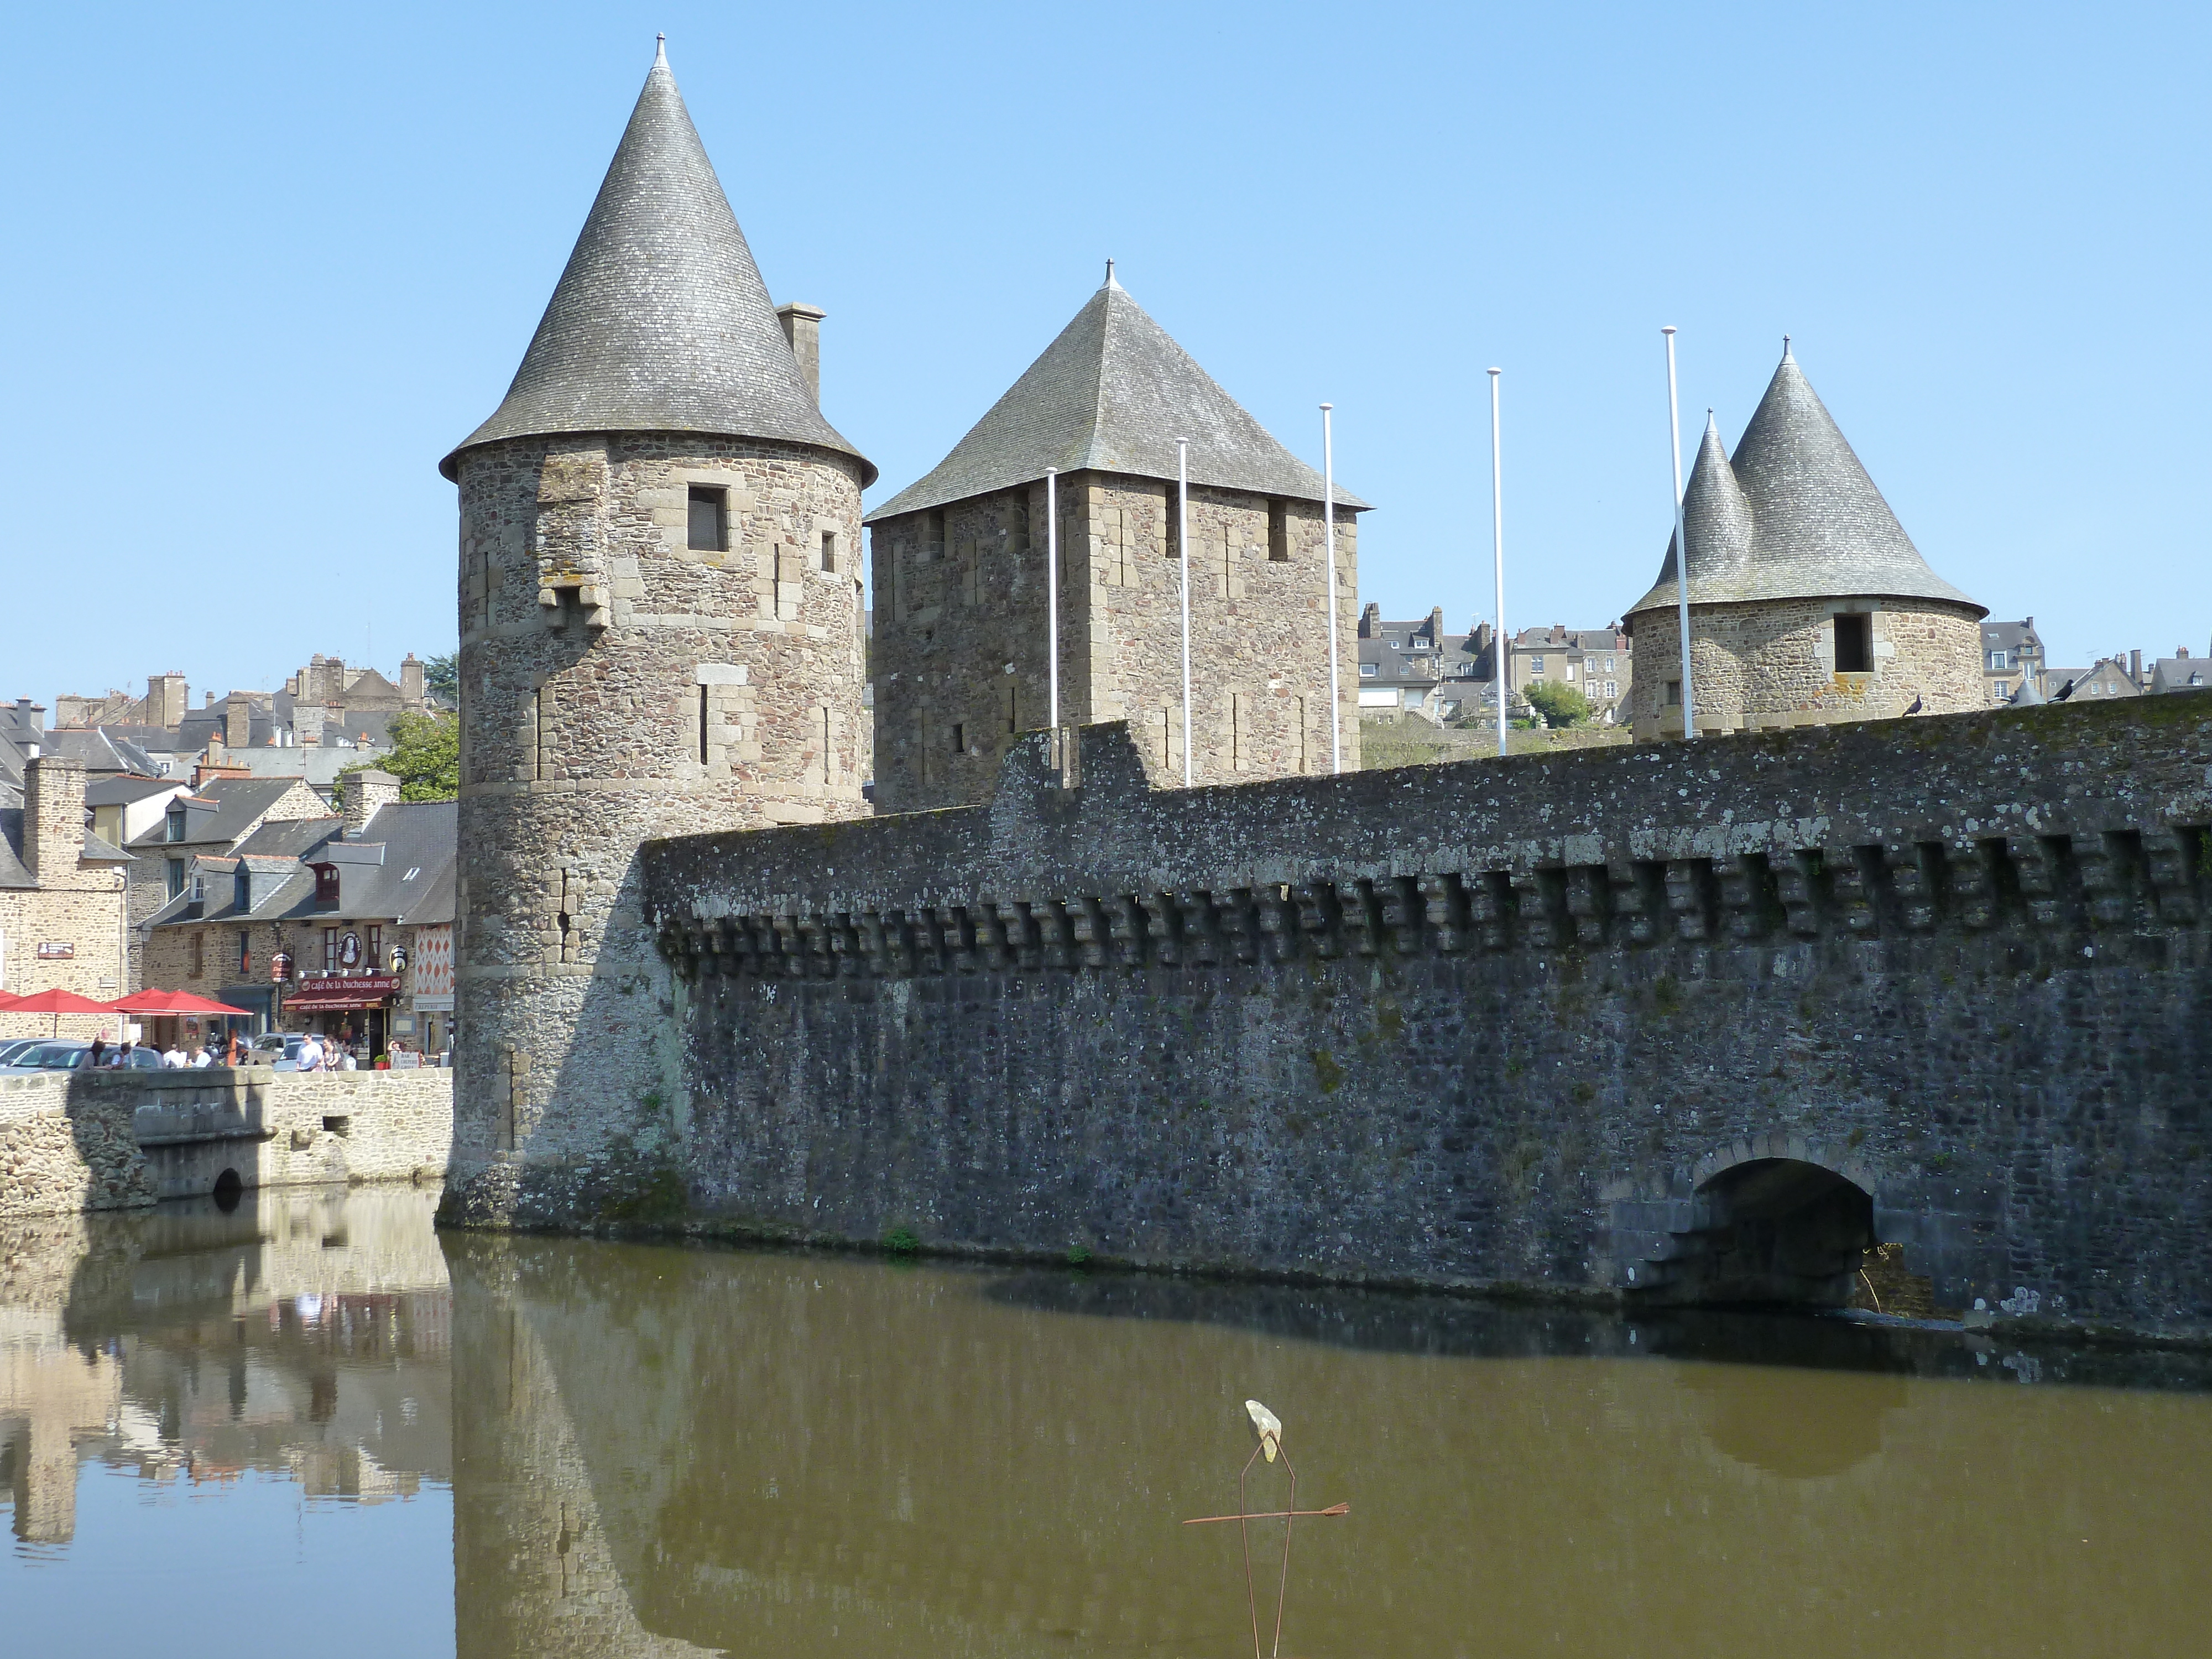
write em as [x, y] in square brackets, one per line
[1778, 1218]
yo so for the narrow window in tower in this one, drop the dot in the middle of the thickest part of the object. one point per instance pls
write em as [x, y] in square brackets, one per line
[829, 549]
[959, 738]
[1302, 735]
[702, 726]
[1673, 693]
[1279, 531]
[1011, 725]
[1171, 525]
[827, 772]
[1855, 645]
[710, 519]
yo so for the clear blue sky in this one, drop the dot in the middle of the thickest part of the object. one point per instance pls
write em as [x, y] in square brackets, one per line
[266, 265]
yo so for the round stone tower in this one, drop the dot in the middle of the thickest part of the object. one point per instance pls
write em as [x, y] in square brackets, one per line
[661, 633]
[1808, 603]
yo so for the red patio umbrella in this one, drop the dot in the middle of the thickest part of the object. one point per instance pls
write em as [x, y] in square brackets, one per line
[58, 1003]
[7, 999]
[171, 1002]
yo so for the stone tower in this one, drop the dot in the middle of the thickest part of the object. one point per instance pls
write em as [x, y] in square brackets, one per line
[659, 633]
[960, 658]
[1808, 603]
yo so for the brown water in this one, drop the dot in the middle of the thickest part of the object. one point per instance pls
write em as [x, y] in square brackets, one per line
[539, 1446]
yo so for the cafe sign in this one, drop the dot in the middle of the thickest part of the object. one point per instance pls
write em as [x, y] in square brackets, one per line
[57, 949]
[370, 986]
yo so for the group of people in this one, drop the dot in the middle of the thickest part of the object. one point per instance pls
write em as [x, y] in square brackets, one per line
[322, 1054]
[224, 1051]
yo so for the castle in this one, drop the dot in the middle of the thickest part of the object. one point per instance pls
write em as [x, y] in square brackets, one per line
[1675, 1023]
[661, 621]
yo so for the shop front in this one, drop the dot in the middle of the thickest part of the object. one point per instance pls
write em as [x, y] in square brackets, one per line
[354, 1007]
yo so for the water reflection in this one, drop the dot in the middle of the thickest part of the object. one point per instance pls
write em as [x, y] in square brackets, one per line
[306, 1334]
[667, 1450]
[663, 1452]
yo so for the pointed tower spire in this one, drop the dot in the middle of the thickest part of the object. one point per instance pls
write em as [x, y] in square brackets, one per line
[1111, 394]
[1793, 516]
[660, 321]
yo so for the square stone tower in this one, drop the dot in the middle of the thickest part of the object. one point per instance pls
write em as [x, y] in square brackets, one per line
[659, 633]
[960, 654]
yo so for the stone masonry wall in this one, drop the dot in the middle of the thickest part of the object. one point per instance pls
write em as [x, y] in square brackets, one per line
[959, 660]
[1495, 1022]
[617, 685]
[73, 1141]
[1759, 667]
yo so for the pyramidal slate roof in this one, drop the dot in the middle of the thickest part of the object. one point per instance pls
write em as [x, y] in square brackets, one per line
[660, 322]
[1795, 515]
[1112, 394]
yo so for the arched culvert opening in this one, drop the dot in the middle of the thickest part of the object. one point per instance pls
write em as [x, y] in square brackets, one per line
[229, 1188]
[1772, 1231]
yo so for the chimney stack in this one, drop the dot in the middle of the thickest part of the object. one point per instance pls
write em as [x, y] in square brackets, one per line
[410, 679]
[167, 698]
[238, 722]
[366, 793]
[53, 819]
[2135, 668]
[307, 723]
[802, 329]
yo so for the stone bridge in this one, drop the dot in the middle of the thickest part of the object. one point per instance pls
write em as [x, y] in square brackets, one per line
[1691, 1023]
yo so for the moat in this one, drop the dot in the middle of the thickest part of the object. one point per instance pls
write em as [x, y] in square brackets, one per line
[313, 1423]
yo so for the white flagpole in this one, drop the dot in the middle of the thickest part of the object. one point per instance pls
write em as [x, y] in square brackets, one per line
[1498, 556]
[1052, 597]
[1681, 545]
[1329, 540]
[1183, 545]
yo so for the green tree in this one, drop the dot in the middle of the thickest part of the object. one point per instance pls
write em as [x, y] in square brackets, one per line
[426, 757]
[1559, 704]
[441, 678]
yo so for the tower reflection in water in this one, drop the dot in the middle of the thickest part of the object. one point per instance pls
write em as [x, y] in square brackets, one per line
[665, 1452]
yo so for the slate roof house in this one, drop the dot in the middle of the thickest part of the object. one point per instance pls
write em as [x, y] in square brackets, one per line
[1419, 667]
[328, 898]
[1808, 602]
[212, 821]
[960, 660]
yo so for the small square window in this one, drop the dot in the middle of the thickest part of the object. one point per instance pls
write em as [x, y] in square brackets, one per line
[1854, 645]
[1673, 693]
[959, 738]
[710, 519]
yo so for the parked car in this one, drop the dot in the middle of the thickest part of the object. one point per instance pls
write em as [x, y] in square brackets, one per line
[16, 1047]
[281, 1049]
[49, 1055]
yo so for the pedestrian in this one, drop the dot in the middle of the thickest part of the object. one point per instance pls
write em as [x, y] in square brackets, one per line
[173, 1057]
[99, 1043]
[202, 1058]
[345, 1057]
[310, 1057]
[119, 1057]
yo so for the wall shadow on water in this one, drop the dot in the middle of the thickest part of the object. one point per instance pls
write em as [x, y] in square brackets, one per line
[1473, 1329]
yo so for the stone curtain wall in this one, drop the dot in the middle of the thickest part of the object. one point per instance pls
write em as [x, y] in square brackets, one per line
[961, 598]
[1772, 664]
[62, 1151]
[114, 1139]
[1480, 1023]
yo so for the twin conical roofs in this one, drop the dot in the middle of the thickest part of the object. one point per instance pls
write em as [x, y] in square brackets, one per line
[1793, 517]
[1112, 394]
[660, 322]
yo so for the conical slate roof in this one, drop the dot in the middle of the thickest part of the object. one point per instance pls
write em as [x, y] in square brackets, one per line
[1112, 394]
[1793, 517]
[660, 322]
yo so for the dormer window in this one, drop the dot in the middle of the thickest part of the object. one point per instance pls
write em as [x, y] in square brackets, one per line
[242, 890]
[709, 527]
[326, 883]
[174, 828]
